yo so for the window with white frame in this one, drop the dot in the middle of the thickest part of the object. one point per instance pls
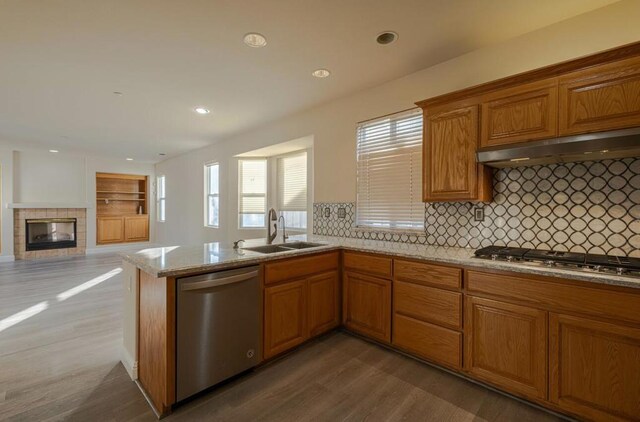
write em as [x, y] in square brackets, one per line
[292, 190]
[160, 198]
[252, 187]
[389, 172]
[212, 195]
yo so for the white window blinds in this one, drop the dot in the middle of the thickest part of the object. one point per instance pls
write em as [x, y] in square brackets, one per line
[389, 172]
[253, 192]
[292, 182]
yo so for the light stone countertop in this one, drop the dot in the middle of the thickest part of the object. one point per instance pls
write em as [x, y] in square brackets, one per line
[175, 261]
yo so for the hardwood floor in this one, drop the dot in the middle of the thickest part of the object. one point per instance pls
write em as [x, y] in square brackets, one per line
[62, 363]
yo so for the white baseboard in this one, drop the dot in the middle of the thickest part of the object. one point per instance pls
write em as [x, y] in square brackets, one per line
[7, 258]
[120, 248]
[129, 363]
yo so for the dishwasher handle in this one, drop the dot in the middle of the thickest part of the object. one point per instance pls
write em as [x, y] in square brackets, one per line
[199, 285]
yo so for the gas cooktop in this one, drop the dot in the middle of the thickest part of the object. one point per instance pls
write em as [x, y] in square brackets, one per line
[620, 265]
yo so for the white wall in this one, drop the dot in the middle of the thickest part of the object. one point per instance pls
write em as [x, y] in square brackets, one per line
[6, 197]
[60, 180]
[47, 177]
[333, 124]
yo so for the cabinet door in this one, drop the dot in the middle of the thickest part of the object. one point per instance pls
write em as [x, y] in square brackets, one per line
[506, 345]
[601, 98]
[110, 230]
[450, 169]
[523, 113]
[323, 298]
[285, 317]
[136, 228]
[595, 368]
[367, 305]
[428, 341]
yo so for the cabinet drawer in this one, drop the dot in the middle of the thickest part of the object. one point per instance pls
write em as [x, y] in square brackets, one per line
[428, 304]
[434, 275]
[548, 293]
[428, 341]
[300, 267]
[368, 264]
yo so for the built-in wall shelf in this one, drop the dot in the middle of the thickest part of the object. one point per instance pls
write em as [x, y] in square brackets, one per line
[121, 208]
[121, 192]
[122, 199]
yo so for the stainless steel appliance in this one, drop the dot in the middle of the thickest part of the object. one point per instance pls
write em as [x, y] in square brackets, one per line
[584, 147]
[218, 330]
[620, 265]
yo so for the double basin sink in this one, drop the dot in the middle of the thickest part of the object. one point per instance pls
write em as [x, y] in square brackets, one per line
[285, 247]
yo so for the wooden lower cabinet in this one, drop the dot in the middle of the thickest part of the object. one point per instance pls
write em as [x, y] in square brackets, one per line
[506, 345]
[136, 228]
[120, 229]
[367, 305]
[428, 341]
[110, 230]
[594, 368]
[323, 294]
[285, 316]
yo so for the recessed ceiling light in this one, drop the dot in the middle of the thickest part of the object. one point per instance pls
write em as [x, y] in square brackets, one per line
[321, 73]
[129, 159]
[604, 151]
[162, 154]
[201, 110]
[255, 40]
[386, 37]
[53, 150]
[118, 93]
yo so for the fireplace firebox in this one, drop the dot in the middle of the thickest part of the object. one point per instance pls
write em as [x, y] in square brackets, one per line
[50, 233]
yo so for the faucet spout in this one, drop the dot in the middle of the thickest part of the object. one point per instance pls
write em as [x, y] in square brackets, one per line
[284, 229]
[272, 217]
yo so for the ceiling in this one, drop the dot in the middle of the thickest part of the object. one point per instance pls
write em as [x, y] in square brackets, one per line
[61, 61]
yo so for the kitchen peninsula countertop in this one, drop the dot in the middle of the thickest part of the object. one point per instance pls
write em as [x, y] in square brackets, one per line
[175, 261]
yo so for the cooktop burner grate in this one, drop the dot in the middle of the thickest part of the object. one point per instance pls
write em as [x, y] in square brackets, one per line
[619, 264]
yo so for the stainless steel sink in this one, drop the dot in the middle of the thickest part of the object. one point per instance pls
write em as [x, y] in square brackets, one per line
[283, 247]
[268, 249]
[301, 245]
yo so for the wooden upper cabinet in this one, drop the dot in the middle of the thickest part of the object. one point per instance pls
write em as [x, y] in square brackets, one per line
[285, 317]
[522, 113]
[594, 368]
[450, 168]
[600, 98]
[323, 302]
[367, 305]
[506, 345]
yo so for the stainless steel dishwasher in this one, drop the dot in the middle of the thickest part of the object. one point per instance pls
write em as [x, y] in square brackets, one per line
[218, 330]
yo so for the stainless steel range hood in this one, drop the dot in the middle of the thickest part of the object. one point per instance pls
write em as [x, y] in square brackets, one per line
[588, 147]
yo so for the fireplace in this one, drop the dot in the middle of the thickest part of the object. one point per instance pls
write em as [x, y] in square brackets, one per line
[50, 233]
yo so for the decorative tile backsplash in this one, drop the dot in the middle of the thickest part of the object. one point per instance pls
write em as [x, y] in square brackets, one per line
[581, 207]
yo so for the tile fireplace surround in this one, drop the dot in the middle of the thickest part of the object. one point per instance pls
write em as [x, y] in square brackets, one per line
[22, 214]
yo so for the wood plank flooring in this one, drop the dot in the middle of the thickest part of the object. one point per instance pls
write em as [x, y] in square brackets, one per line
[62, 364]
